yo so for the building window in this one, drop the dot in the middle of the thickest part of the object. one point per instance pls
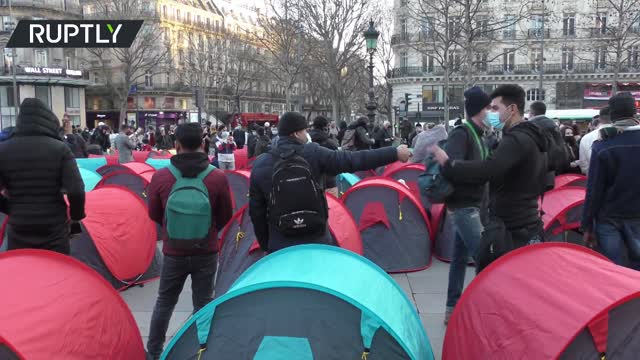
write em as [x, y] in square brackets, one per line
[404, 2]
[178, 15]
[634, 54]
[188, 18]
[217, 25]
[569, 25]
[43, 94]
[72, 97]
[431, 94]
[404, 59]
[567, 58]
[164, 11]
[600, 60]
[536, 58]
[7, 109]
[404, 27]
[75, 120]
[455, 61]
[509, 27]
[481, 61]
[509, 60]
[148, 79]
[40, 57]
[7, 23]
[482, 28]
[535, 95]
[601, 23]
[427, 63]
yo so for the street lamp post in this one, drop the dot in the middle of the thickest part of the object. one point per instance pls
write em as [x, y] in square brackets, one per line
[371, 37]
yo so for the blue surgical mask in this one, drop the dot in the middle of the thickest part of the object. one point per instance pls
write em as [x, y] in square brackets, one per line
[493, 118]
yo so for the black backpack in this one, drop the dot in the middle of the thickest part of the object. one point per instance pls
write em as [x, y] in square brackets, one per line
[297, 205]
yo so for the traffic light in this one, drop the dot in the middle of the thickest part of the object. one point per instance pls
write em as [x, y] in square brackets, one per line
[407, 101]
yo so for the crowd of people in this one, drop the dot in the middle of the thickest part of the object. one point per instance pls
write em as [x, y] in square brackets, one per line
[497, 165]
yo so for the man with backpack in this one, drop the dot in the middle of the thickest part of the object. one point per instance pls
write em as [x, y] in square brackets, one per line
[557, 156]
[191, 200]
[287, 203]
[465, 204]
[356, 136]
[516, 171]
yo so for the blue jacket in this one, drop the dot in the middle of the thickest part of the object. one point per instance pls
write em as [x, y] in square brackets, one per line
[322, 161]
[612, 188]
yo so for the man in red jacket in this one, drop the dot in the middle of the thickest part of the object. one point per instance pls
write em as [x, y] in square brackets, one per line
[200, 263]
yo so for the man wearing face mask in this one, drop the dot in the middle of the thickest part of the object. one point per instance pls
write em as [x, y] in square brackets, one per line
[465, 205]
[516, 169]
[287, 204]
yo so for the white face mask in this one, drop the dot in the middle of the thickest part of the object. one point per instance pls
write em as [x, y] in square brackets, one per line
[274, 131]
[308, 139]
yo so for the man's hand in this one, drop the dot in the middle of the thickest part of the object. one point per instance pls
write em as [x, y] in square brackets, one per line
[439, 155]
[403, 153]
[589, 239]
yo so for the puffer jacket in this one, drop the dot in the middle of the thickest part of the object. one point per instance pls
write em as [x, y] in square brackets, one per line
[37, 168]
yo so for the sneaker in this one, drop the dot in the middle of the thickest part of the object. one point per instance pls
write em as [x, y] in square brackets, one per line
[447, 316]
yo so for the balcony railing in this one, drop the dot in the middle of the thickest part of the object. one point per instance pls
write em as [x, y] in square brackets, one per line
[537, 33]
[71, 8]
[599, 32]
[509, 34]
[524, 69]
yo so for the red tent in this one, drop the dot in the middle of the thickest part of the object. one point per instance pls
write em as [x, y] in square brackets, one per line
[547, 301]
[570, 180]
[562, 209]
[395, 230]
[160, 154]
[118, 239]
[242, 158]
[57, 308]
[141, 156]
[111, 159]
[139, 167]
[409, 173]
[239, 248]
[239, 188]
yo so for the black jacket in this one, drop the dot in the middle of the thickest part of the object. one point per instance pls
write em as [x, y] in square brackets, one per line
[239, 137]
[516, 170]
[384, 138]
[77, 145]
[321, 138]
[322, 161]
[36, 167]
[100, 138]
[557, 155]
[362, 139]
[252, 140]
[262, 145]
[461, 145]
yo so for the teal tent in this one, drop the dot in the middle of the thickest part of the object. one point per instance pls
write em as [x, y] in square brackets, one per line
[158, 163]
[90, 179]
[308, 302]
[345, 181]
[92, 164]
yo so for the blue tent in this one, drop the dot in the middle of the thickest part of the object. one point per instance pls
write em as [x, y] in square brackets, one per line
[159, 163]
[90, 179]
[306, 302]
[345, 181]
[92, 164]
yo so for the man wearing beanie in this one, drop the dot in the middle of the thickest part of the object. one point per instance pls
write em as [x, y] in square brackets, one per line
[37, 168]
[287, 204]
[611, 214]
[466, 142]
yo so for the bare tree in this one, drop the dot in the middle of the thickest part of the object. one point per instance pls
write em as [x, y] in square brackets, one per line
[336, 26]
[622, 32]
[384, 60]
[124, 67]
[283, 39]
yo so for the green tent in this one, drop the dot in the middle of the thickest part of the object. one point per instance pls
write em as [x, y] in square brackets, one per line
[92, 164]
[90, 179]
[306, 302]
[159, 163]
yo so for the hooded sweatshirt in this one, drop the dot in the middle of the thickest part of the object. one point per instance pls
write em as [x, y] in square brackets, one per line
[37, 168]
[516, 171]
[190, 165]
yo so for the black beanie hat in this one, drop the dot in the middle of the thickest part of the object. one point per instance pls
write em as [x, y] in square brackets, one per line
[291, 122]
[475, 100]
[622, 106]
[320, 122]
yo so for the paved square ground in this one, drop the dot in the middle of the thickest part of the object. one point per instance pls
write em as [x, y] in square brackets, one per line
[427, 289]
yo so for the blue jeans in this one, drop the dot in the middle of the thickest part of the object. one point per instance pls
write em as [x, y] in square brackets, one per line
[617, 237]
[468, 232]
[175, 270]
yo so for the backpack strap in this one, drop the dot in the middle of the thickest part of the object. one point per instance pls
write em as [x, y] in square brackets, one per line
[174, 171]
[205, 172]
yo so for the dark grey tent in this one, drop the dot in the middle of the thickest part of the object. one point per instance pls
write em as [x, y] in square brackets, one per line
[239, 187]
[133, 182]
[292, 305]
[393, 224]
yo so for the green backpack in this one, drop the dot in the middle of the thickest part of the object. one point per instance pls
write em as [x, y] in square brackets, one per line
[188, 211]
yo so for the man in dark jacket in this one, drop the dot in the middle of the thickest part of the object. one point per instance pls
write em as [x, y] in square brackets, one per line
[557, 156]
[516, 169]
[612, 205]
[239, 136]
[199, 263]
[384, 137]
[293, 137]
[320, 135]
[252, 140]
[75, 142]
[263, 143]
[359, 133]
[466, 143]
[36, 168]
[405, 129]
[101, 138]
